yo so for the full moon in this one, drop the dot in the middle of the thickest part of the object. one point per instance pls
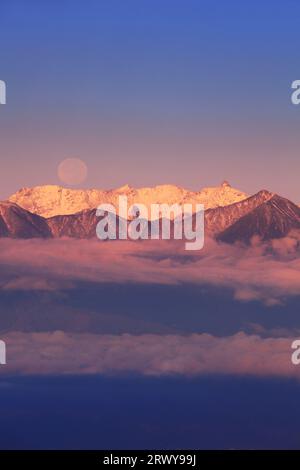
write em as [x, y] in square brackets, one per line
[72, 171]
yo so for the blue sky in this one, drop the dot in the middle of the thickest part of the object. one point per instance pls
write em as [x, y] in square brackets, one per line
[185, 92]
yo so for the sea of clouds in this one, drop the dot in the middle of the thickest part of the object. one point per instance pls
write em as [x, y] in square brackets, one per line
[267, 272]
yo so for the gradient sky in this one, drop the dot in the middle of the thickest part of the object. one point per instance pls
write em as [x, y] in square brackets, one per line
[148, 92]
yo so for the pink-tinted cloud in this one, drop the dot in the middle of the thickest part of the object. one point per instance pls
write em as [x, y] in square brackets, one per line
[266, 272]
[196, 354]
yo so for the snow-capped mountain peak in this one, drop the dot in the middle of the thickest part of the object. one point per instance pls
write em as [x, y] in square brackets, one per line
[52, 200]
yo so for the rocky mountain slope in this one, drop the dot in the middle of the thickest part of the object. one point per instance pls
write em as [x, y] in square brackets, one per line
[218, 219]
[274, 218]
[15, 222]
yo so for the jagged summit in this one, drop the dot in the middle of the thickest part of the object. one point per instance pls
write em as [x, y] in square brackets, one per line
[264, 193]
[126, 188]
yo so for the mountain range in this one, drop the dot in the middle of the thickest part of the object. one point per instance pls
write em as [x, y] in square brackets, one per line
[50, 200]
[230, 215]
